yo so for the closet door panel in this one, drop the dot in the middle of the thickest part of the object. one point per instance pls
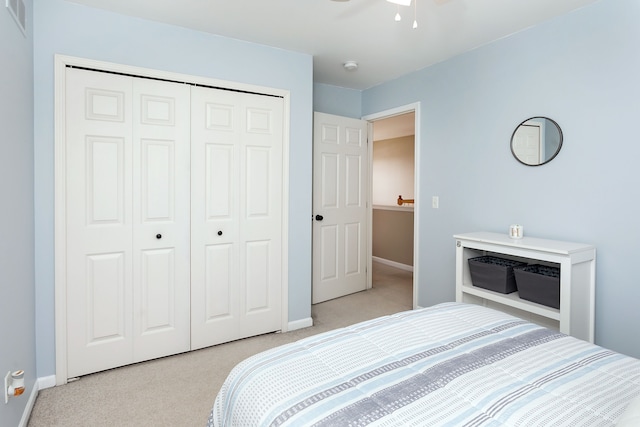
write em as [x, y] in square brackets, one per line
[158, 180]
[104, 177]
[219, 287]
[215, 284]
[105, 287]
[257, 192]
[257, 277]
[128, 195]
[221, 294]
[99, 221]
[236, 204]
[157, 287]
[219, 166]
[161, 215]
[261, 213]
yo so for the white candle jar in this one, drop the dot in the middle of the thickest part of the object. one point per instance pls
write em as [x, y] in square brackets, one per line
[516, 231]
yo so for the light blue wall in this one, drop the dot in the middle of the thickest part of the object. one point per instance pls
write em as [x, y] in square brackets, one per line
[337, 100]
[71, 29]
[580, 70]
[17, 309]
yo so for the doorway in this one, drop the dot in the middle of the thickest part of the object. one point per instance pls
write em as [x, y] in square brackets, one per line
[394, 178]
[330, 132]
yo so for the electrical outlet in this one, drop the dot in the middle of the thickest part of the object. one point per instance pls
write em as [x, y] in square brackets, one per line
[7, 381]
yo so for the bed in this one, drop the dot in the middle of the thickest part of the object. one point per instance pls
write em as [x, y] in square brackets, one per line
[452, 364]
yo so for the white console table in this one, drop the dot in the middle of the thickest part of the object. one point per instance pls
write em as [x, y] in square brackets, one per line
[577, 264]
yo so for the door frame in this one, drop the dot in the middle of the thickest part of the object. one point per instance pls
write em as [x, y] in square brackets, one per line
[61, 62]
[403, 109]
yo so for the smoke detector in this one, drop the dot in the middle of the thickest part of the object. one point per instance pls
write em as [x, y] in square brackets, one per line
[350, 65]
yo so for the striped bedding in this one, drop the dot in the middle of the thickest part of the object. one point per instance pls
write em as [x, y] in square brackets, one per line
[448, 365]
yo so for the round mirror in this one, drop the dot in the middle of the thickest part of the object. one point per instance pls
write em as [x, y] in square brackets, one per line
[536, 141]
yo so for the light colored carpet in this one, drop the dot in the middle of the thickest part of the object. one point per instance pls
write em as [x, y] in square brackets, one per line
[180, 390]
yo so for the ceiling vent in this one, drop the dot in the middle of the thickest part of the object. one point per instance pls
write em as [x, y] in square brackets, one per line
[19, 12]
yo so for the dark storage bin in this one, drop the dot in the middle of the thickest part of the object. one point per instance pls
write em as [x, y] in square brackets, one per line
[493, 273]
[539, 283]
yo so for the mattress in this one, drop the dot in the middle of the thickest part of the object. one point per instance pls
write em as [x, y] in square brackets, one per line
[451, 364]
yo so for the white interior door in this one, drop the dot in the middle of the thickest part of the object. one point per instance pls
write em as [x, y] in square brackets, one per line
[340, 193]
[236, 248]
[127, 152]
[527, 145]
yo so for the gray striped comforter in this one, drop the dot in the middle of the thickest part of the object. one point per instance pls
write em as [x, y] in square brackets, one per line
[448, 365]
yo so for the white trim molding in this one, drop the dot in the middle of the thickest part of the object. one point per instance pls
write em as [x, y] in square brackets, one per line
[40, 384]
[300, 324]
[415, 107]
[46, 382]
[26, 414]
[395, 264]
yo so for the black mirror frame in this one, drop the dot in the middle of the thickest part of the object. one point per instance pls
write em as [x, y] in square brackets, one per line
[554, 154]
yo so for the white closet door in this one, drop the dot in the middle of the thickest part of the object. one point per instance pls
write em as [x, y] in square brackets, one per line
[161, 215]
[236, 247]
[127, 180]
[99, 221]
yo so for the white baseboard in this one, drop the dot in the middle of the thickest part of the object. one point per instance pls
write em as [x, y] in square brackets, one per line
[393, 264]
[46, 382]
[300, 324]
[40, 384]
[27, 409]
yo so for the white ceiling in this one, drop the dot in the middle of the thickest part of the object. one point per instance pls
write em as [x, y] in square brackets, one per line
[335, 31]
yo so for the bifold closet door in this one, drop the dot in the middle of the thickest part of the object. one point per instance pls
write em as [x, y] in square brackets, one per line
[127, 219]
[236, 215]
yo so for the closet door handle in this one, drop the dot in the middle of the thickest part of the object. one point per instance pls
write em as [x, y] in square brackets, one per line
[319, 217]
[220, 233]
[158, 236]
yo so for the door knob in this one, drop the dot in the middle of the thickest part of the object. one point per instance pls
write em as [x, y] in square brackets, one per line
[319, 217]
[158, 236]
[220, 233]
